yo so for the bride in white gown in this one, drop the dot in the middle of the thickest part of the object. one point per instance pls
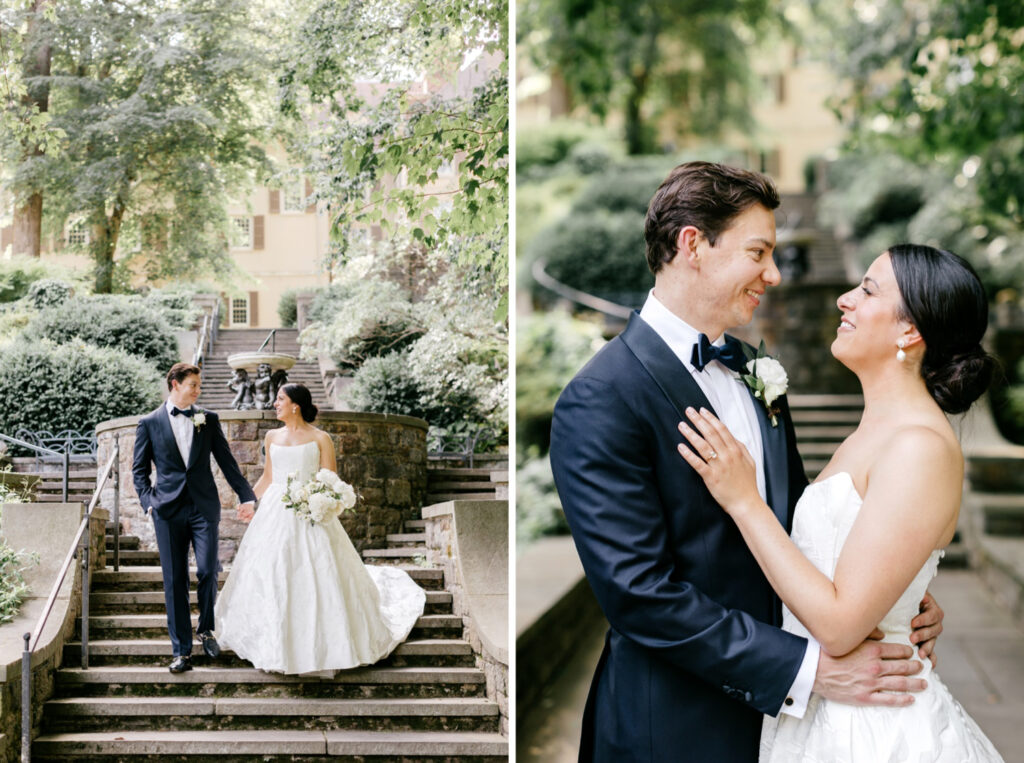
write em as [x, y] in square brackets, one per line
[298, 598]
[867, 534]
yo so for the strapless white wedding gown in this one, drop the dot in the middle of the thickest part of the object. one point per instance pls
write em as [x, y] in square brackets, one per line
[299, 599]
[934, 729]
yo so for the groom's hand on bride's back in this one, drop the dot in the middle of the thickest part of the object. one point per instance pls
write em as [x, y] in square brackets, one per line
[875, 673]
[927, 627]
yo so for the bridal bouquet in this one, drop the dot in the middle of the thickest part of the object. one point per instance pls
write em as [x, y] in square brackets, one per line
[321, 499]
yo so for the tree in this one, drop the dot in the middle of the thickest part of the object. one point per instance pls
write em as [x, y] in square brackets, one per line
[682, 57]
[159, 101]
[939, 82]
[380, 154]
[24, 121]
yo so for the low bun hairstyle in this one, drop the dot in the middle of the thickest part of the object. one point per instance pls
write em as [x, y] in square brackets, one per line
[299, 394]
[943, 297]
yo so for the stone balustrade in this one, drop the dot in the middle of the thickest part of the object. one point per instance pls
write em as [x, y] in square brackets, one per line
[383, 456]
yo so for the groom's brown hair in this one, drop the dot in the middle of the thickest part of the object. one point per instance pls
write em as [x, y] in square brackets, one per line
[179, 372]
[705, 195]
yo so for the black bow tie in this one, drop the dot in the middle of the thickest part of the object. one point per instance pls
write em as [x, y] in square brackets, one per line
[187, 412]
[729, 354]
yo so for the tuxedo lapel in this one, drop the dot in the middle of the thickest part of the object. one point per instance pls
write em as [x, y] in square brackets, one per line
[773, 439]
[661, 363]
[170, 445]
[196, 434]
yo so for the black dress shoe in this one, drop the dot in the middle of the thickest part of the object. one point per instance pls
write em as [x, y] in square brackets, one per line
[180, 664]
[210, 645]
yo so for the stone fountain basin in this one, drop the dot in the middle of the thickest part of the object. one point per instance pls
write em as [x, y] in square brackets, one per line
[251, 360]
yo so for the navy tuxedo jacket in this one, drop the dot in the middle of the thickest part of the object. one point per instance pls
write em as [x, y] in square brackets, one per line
[694, 656]
[155, 443]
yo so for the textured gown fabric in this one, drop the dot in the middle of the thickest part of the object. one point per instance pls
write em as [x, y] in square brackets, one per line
[935, 729]
[299, 598]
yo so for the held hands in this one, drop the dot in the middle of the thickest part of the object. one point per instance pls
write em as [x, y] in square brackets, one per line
[722, 462]
[246, 511]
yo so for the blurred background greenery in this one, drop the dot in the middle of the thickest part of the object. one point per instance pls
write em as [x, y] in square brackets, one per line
[880, 122]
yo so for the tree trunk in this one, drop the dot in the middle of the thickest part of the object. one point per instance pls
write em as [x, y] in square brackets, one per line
[28, 219]
[104, 244]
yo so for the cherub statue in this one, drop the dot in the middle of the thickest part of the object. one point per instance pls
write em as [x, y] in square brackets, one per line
[240, 384]
[263, 388]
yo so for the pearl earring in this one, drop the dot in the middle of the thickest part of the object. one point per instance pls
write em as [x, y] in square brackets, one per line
[900, 355]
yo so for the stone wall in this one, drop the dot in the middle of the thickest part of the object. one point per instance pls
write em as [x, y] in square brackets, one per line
[798, 323]
[384, 457]
[484, 615]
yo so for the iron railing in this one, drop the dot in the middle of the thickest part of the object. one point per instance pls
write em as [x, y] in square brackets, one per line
[272, 338]
[32, 638]
[540, 275]
[207, 334]
[458, 447]
[65, 457]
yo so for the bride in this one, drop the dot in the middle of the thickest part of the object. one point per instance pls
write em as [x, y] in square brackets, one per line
[867, 534]
[299, 598]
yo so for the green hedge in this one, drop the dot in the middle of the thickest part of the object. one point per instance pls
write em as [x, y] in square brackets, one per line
[71, 386]
[122, 322]
[287, 308]
[600, 253]
[625, 189]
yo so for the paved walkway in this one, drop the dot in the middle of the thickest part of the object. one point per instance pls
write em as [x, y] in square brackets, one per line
[981, 660]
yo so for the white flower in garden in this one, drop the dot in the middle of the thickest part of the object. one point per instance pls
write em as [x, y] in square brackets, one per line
[771, 372]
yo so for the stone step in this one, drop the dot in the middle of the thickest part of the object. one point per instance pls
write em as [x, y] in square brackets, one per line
[415, 524]
[80, 714]
[58, 497]
[149, 626]
[826, 401]
[126, 543]
[140, 602]
[151, 578]
[73, 485]
[816, 449]
[222, 681]
[812, 417]
[138, 558]
[407, 538]
[458, 473]
[1003, 513]
[806, 433]
[400, 552]
[229, 746]
[156, 652]
[433, 498]
[459, 486]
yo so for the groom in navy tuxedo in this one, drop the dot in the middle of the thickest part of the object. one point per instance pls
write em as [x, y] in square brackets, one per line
[695, 655]
[179, 439]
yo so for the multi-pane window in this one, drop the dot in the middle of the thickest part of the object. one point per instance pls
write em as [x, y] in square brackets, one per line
[78, 233]
[294, 196]
[241, 233]
[239, 311]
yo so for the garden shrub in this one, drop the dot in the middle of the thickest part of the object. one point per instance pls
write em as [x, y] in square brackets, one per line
[386, 385]
[75, 385]
[625, 189]
[19, 273]
[599, 253]
[49, 292]
[538, 509]
[287, 308]
[13, 589]
[123, 322]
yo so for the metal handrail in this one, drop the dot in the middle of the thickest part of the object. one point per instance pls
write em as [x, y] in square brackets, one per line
[197, 356]
[32, 638]
[272, 338]
[65, 457]
[540, 275]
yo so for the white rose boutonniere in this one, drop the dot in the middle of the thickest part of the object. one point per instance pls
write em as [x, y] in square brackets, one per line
[198, 419]
[766, 378]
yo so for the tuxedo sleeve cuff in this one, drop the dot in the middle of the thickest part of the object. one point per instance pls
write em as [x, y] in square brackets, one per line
[795, 703]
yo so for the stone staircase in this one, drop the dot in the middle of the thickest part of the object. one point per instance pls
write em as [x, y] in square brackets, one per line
[216, 371]
[425, 702]
[452, 480]
[48, 479]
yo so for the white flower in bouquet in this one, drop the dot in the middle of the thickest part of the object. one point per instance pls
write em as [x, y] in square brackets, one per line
[321, 499]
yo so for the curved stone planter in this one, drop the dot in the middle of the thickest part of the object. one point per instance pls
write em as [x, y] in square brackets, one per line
[383, 456]
[250, 361]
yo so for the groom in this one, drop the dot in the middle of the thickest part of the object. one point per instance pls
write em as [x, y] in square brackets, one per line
[695, 655]
[179, 438]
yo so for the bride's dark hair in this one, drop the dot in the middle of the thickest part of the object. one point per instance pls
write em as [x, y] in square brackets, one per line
[299, 394]
[943, 297]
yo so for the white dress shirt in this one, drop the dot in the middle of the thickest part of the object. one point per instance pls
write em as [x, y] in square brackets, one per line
[184, 431]
[734, 406]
